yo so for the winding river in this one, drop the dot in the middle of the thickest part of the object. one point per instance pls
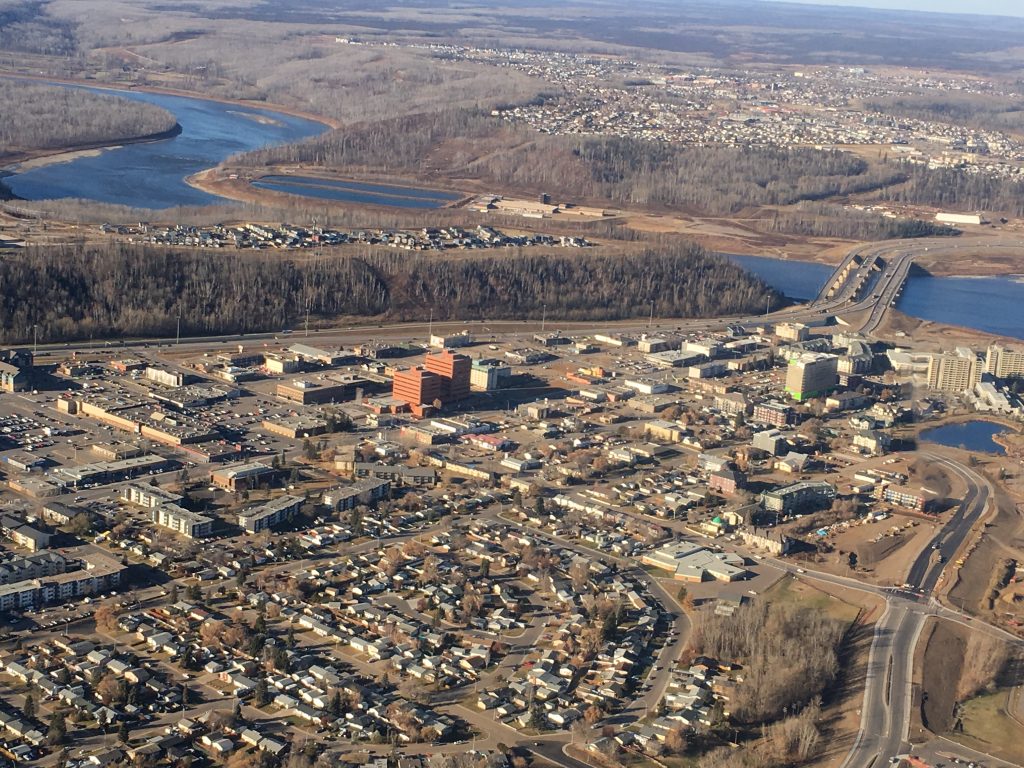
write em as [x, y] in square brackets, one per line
[152, 175]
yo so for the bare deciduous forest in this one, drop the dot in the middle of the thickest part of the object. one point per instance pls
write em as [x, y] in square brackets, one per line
[39, 117]
[87, 291]
[789, 655]
[468, 143]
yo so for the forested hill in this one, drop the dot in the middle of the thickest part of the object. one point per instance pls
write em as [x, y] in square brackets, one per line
[37, 117]
[95, 291]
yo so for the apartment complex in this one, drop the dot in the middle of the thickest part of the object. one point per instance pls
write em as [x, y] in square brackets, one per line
[811, 374]
[773, 414]
[794, 498]
[1004, 363]
[189, 524]
[957, 372]
[56, 579]
[270, 514]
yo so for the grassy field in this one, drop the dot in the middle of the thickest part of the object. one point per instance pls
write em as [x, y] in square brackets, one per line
[988, 728]
[793, 592]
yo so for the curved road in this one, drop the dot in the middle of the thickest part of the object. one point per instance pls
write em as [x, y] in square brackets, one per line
[888, 691]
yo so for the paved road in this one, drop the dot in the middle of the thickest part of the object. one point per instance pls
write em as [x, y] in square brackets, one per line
[888, 692]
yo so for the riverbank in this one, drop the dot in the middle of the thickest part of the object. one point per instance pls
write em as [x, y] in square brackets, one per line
[24, 161]
[130, 88]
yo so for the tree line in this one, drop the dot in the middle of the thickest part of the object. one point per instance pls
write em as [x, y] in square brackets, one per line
[467, 143]
[39, 117]
[79, 290]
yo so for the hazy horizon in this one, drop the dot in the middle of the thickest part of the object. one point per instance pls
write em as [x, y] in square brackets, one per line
[982, 7]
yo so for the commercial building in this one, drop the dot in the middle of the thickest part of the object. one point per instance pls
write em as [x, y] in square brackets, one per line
[417, 388]
[270, 514]
[12, 378]
[189, 524]
[957, 372]
[165, 377]
[451, 340]
[811, 374]
[242, 477]
[330, 357]
[323, 389]
[1004, 363]
[488, 375]
[113, 471]
[454, 370]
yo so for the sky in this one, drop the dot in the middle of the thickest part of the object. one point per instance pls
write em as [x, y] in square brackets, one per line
[986, 7]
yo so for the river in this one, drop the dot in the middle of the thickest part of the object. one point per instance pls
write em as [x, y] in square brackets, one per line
[152, 175]
[991, 304]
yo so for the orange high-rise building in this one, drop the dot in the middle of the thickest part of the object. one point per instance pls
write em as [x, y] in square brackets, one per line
[454, 370]
[418, 388]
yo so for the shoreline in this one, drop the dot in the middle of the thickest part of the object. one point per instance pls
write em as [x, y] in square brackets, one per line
[330, 122]
[41, 158]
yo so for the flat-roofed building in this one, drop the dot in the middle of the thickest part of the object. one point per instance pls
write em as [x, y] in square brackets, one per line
[335, 388]
[149, 496]
[454, 370]
[242, 477]
[367, 492]
[796, 497]
[811, 374]
[488, 375]
[773, 414]
[1004, 363]
[189, 524]
[270, 514]
[417, 388]
[957, 372]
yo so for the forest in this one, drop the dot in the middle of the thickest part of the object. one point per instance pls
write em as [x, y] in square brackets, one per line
[82, 291]
[42, 117]
[466, 143]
